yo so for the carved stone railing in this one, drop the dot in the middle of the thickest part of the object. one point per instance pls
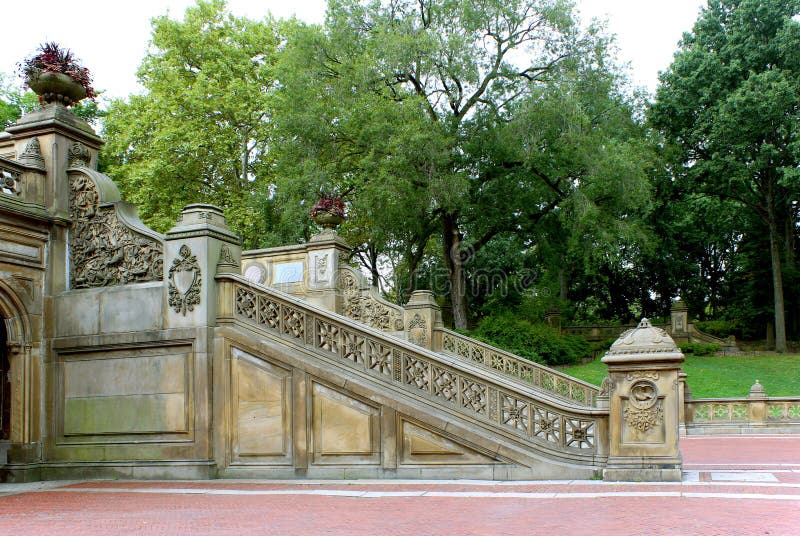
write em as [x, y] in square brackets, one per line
[549, 424]
[713, 411]
[542, 378]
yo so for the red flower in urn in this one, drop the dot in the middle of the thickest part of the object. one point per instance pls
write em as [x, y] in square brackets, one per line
[328, 212]
[55, 75]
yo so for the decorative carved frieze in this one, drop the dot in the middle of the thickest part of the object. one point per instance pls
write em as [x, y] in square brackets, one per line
[103, 251]
[184, 282]
[362, 307]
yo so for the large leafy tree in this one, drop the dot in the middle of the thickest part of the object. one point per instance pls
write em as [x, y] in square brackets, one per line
[199, 132]
[731, 101]
[452, 122]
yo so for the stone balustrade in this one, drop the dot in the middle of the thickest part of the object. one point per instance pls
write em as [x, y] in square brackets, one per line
[752, 414]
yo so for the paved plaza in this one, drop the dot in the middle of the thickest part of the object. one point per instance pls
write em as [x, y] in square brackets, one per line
[731, 485]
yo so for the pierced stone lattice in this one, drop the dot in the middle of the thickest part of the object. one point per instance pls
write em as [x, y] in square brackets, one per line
[547, 425]
[379, 357]
[783, 411]
[293, 323]
[417, 372]
[515, 413]
[269, 313]
[579, 433]
[9, 182]
[473, 395]
[245, 304]
[445, 384]
[103, 251]
[328, 337]
[352, 347]
[519, 368]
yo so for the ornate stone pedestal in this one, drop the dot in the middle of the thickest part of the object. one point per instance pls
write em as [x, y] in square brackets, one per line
[643, 392]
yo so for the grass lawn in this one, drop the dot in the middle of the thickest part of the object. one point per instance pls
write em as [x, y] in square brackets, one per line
[723, 377]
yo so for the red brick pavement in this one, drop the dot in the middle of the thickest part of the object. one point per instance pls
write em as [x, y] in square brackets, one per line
[703, 504]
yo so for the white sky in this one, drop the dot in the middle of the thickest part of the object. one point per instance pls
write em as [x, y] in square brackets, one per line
[110, 36]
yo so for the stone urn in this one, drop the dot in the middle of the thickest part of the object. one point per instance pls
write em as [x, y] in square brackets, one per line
[57, 87]
[328, 220]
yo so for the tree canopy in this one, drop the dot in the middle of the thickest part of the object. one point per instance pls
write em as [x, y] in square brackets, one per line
[731, 102]
[199, 132]
[454, 123]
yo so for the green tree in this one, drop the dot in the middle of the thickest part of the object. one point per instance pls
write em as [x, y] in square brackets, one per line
[730, 100]
[445, 121]
[199, 133]
[13, 102]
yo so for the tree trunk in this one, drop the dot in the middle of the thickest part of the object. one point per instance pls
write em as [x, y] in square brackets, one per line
[777, 283]
[453, 258]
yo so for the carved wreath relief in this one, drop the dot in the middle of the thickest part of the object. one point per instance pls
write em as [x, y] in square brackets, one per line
[103, 251]
[184, 282]
[644, 410]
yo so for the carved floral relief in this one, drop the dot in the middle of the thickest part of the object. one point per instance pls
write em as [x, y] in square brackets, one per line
[366, 309]
[103, 251]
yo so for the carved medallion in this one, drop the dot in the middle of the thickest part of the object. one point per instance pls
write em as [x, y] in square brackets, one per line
[644, 410]
[78, 155]
[184, 282]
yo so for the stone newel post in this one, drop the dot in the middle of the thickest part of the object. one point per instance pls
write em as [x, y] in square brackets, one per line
[643, 366]
[421, 316]
[198, 245]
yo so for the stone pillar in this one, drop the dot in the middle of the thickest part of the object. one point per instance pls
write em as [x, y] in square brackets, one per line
[643, 367]
[679, 316]
[757, 408]
[421, 315]
[324, 253]
[193, 248]
[553, 318]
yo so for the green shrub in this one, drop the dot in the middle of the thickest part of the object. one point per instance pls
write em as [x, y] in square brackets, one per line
[537, 342]
[699, 348]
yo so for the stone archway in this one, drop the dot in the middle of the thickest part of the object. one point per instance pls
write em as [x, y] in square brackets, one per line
[15, 367]
[5, 385]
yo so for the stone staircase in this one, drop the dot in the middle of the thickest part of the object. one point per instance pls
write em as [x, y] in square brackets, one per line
[373, 404]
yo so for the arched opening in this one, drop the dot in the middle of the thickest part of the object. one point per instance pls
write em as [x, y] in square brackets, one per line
[5, 384]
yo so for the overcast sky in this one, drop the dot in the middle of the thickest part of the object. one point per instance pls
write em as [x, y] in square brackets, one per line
[110, 36]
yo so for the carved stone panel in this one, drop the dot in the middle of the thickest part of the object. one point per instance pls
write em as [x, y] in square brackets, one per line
[261, 411]
[345, 429]
[423, 446]
[103, 251]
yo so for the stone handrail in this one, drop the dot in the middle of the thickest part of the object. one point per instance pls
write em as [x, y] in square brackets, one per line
[549, 424]
[544, 378]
